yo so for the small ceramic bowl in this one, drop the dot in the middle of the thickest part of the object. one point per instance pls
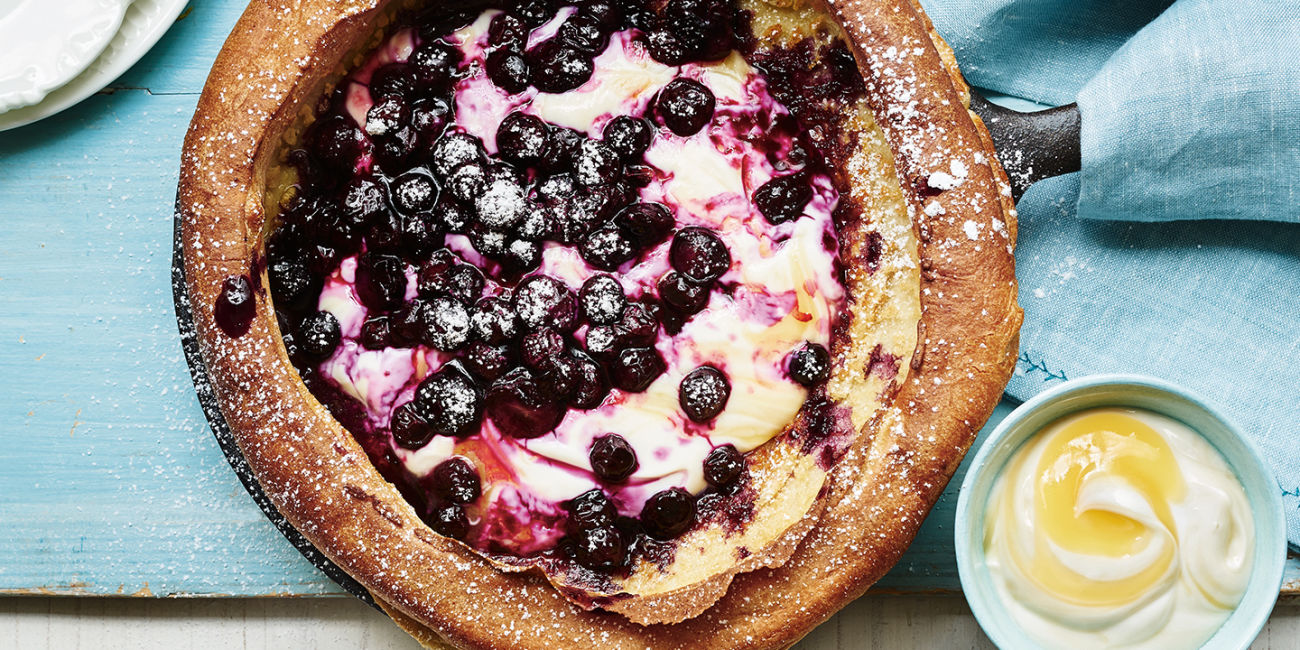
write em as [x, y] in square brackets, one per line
[1244, 624]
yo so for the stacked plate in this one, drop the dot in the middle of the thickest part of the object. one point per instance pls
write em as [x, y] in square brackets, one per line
[56, 54]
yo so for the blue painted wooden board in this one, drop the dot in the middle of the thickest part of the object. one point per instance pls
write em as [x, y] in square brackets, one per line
[110, 481]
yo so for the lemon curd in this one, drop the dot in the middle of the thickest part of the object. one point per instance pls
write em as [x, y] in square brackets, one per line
[1118, 528]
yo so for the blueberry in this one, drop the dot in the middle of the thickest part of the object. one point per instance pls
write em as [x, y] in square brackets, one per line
[685, 106]
[388, 115]
[338, 142]
[541, 300]
[438, 277]
[521, 256]
[508, 31]
[556, 187]
[646, 223]
[535, 12]
[494, 320]
[684, 296]
[666, 48]
[468, 182]
[703, 393]
[783, 198]
[591, 387]
[487, 361]
[639, 325]
[384, 235]
[450, 217]
[600, 548]
[292, 285]
[433, 64]
[810, 365]
[639, 175]
[509, 70]
[319, 334]
[364, 200]
[607, 248]
[502, 204]
[612, 458]
[381, 281]
[583, 33]
[723, 466]
[414, 192]
[602, 300]
[407, 326]
[490, 243]
[392, 79]
[699, 254]
[522, 138]
[602, 341]
[588, 209]
[668, 514]
[628, 136]
[456, 481]
[591, 509]
[450, 402]
[428, 117]
[634, 369]
[606, 14]
[520, 407]
[538, 223]
[409, 428]
[558, 68]
[541, 346]
[420, 234]
[560, 377]
[446, 325]
[453, 149]
[450, 520]
[595, 163]
[561, 147]
[376, 333]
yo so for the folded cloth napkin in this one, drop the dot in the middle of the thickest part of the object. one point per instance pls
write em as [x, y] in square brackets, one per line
[1191, 117]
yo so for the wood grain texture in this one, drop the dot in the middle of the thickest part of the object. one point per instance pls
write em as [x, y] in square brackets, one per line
[111, 482]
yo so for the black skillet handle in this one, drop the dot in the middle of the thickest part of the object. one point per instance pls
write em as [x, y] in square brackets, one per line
[1032, 146]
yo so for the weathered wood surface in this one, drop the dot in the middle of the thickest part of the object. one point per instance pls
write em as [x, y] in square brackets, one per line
[110, 481]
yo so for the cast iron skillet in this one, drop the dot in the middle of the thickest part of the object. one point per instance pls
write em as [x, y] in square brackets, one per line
[1030, 146]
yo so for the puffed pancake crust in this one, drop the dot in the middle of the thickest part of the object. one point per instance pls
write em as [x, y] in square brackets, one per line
[920, 357]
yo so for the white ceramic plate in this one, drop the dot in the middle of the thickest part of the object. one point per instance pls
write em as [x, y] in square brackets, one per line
[144, 22]
[47, 43]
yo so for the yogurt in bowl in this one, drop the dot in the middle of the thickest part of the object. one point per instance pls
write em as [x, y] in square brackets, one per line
[1119, 512]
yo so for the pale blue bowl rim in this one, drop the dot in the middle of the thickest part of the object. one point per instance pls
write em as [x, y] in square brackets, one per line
[1245, 622]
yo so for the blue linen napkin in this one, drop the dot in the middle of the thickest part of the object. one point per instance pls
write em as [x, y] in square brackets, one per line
[1191, 117]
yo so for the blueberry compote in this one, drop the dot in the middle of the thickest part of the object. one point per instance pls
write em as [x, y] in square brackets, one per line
[560, 268]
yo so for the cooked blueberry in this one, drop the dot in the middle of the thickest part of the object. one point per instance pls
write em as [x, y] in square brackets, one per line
[364, 200]
[596, 162]
[494, 320]
[428, 117]
[583, 33]
[560, 376]
[638, 175]
[338, 142]
[685, 106]
[447, 324]
[508, 31]
[606, 14]
[520, 407]
[384, 234]
[556, 187]
[408, 324]
[668, 514]
[612, 458]
[468, 182]
[666, 48]
[235, 306]
[433, 64]
[387, 116]
[535, 12]
[538, 223]
[502, 204]
[589, 208]
[521, 256]
[509, 70]
[602, 341]
[591, 509]
[409, 428]
[561, 147]
[810, 365]
[292, 284]
[392, 79]
[450, 520]
[723, 466]
[541, 300]
[558, 68]
[646, 223]
[450, 217]
[703, 393]
[460, 281]
[628, 136]
[639, 325]
[602, 300]
[381, 281]
[634, 369]
[456, 481]
[607, 248]
[414, 192]
[420, 234]
[783, 198]
[487, 361]
[687, 297]
[541, 346]
[376, 333]
[591, 387]
[450, 402]
[319, 334]
[600, 548]
[453, 149]
[699, 254]
[491, 243]
[521, 138]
